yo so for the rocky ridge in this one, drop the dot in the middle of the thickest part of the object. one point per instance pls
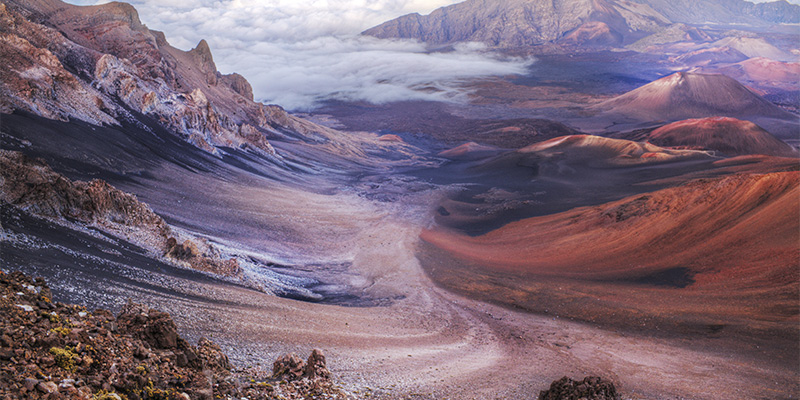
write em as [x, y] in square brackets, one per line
[520, 23]
[601, 151]
[34, 79]
[51, 350]
[33, 187]
[607, 23]
[100, 64]
[726, 11]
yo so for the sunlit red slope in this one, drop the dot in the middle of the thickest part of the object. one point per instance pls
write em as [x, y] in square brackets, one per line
[734, 231]
[689, 95]
[714, 258]
[728, 136]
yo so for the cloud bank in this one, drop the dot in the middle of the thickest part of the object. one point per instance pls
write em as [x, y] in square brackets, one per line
[299, 53]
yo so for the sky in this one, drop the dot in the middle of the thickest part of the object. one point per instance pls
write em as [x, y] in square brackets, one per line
[298, 53]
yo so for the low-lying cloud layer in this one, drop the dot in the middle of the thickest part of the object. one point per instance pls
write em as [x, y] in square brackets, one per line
[300, 75]
[297, 53]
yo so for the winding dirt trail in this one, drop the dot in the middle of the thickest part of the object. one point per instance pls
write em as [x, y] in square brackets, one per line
[435, 344]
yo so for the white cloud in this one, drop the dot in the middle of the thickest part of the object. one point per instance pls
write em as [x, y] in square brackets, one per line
[299, 75]
[297, 53]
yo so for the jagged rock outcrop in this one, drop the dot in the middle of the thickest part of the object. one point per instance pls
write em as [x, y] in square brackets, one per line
[239, 85]
[100, 64]
[316, 365]
[191, 114]
[200, 255]
[157, 329]
[30, 185]
[51, 350]
[33, 78]
[291, 367]
[94, 63]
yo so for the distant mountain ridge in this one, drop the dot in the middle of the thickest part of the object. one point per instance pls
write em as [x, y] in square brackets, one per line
[519, 23]
[726, 11]
[101, 65]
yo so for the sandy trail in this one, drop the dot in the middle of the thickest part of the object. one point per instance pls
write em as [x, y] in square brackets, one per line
[431, 343]
[427, 342]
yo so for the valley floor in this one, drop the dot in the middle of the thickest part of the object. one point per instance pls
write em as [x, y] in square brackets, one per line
[428, 342]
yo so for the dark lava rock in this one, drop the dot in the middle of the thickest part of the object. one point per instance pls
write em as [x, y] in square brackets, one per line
[590, 388]
[154, 327]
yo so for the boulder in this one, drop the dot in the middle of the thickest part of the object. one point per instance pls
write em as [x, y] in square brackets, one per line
[153, 327]
[289, 367]
[590, 388]
[315, 367]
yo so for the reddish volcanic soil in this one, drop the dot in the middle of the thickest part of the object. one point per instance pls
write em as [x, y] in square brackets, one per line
[764, 70]
[688, 95]
[469, 151]
[728, 136]
[711, 258]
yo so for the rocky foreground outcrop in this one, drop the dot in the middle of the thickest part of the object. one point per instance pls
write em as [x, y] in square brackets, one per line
[33, 187]
[50, 350]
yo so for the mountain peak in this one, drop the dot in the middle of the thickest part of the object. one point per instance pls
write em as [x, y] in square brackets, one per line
[202, 53]
[685, 95]
[202, 49]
